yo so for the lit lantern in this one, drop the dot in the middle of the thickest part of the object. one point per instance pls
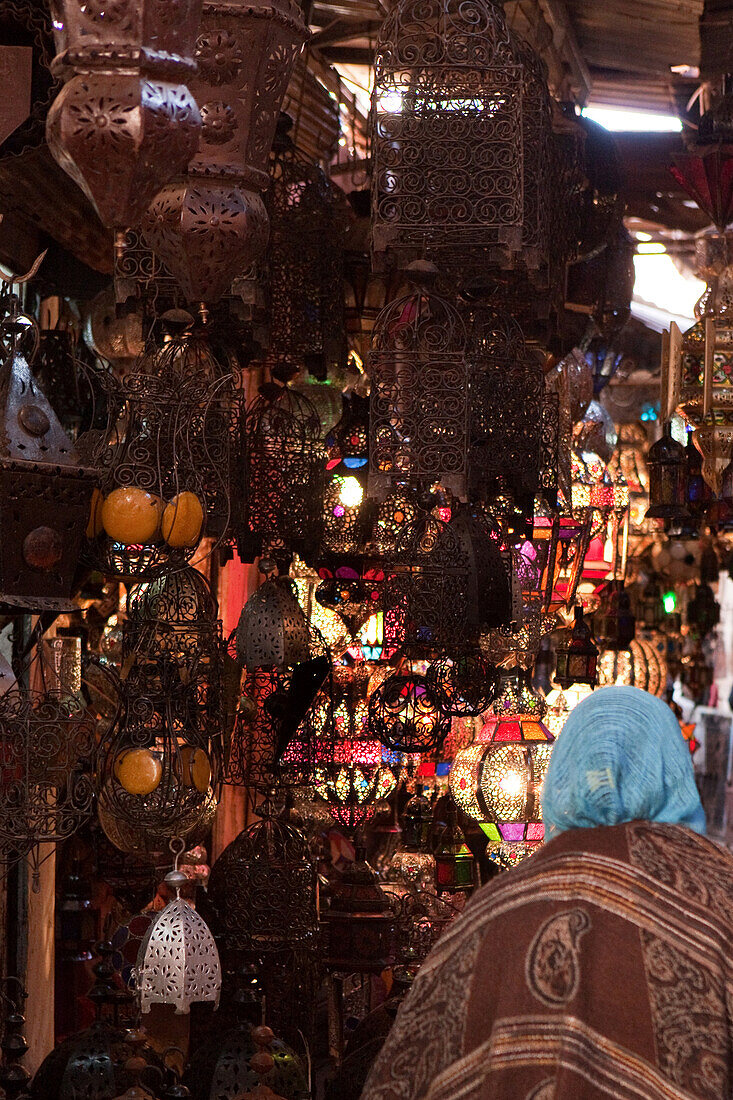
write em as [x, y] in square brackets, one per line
[498, 779]
[640, 665]
[346, 509]
[667, 478]
[455, 870]
[560, 703]
[577, 657]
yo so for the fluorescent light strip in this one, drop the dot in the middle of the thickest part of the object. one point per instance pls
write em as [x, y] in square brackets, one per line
[620, 120]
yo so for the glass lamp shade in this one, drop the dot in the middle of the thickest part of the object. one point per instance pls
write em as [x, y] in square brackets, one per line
[352, 791]
[641, 665]
[498, 779]
[577, 655]
[455, 870]
[347, 511]
[667, 464]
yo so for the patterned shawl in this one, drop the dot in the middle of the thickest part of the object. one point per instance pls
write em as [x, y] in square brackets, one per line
[601, 967]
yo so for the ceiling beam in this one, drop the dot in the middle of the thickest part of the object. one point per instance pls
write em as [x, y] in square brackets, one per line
[566, 43]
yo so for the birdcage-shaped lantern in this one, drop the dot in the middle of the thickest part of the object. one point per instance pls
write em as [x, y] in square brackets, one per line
[285, 469]
[304, 266]
[159, 758]
[209, 225]
[126, 120]
[164, 461]
[456, 121]
[419, 391]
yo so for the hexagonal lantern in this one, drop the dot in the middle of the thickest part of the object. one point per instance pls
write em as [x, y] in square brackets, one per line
[45, 494]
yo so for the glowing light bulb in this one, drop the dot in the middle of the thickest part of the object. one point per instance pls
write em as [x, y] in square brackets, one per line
[511, 784]
[351, 494]
[670, 602]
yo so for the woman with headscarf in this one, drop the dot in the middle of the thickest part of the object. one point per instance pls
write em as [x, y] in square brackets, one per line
[603, 965]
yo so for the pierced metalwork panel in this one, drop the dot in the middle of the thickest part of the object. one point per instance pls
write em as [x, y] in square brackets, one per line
[419, 394]
[447, 129]
[507, 393]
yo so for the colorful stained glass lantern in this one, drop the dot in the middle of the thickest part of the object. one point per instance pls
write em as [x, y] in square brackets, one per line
[577, 655]
[455, 869]
[498, 779]
[347, 511]
[667, 464]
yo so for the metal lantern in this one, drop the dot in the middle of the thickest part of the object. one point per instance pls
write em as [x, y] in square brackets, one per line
[46, 749]
[164, 459]
[210, 225]
[178, 962]
[346, 508]
[577, 657]
[506, 402]
[45, 493]
[467, 683]
[667, 478]
[614, 622]
[272, 630]
[406, 713]
[419, 391]
[263, 886]
[304, 266]
[285, 468]
[455, 869]
[560, 702]
[125, 122]
[460, 124]
[498, 779]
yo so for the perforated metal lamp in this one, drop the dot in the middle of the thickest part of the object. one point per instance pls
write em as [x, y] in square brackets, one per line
[178, 961]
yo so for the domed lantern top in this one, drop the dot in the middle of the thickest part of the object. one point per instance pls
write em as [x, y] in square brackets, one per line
[272, 630]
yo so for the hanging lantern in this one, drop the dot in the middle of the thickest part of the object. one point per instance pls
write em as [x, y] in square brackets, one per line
[263, 887]
[641, 664]
[347, 512]
[577, 657]
[419, 391]
[272, 628]
[651, 612]
[125, 122]
[460, 127]
[667, 478]
[208, 226]
[164, 459]
[412, 866]
[614, 622]
[281, 441]
[45, 492]
[304, 266]
[696, 365]
[406, 714]
[505, 414]
[706, 170]
[630, 463]
[358, 924]
[699, 494]
[498, 779]
[178, 962]
[467, 683]
[455, 870]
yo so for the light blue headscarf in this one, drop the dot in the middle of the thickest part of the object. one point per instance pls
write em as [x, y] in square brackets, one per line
[621, 757]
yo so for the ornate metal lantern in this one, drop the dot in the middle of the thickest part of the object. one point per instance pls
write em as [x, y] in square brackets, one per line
[125, 122]
[210, 225]
[458, 116]
[285, 468]
[498, 779]
[406, 714]
[455, 869]
[419, 391]
[506, 402]
[46, 750]
[45, 493]
[667, 478]
[178, 962]
[272, 630]
[159, 759]
[263, 887]
[304, 266]
[347, 511]
[577, 658]
[164, 460]
[467, 683]
[614, 623]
